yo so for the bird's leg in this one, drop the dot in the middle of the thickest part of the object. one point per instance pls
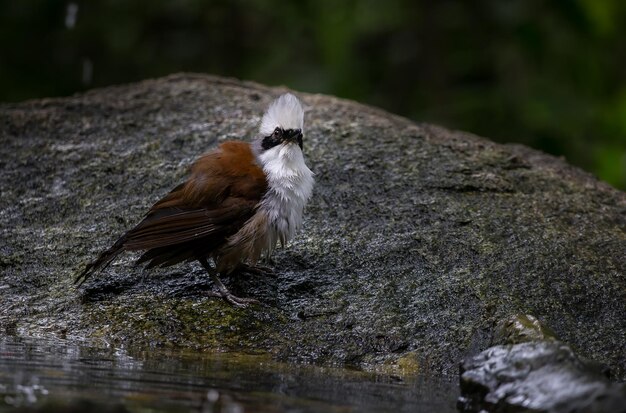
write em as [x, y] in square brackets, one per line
[268, 259]
[223, 291]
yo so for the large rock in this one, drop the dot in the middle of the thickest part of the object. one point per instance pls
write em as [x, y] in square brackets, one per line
[418, 240]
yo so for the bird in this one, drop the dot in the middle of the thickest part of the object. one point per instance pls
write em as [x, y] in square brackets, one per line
[239, 201]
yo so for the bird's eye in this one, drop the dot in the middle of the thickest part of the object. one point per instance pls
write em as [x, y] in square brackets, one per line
[272, 140]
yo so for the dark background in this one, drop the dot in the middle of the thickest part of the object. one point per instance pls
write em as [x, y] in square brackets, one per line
[550, 74]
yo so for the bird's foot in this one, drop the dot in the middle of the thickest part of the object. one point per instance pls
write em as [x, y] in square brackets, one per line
[233, 299]
[223, 291]
[238, 301]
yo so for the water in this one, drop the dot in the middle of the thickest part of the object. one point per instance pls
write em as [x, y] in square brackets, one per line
[54, 375]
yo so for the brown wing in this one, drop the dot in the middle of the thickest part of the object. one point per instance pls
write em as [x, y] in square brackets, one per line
[175, 225]
[222, 193]
[180, 236]
[196, 217]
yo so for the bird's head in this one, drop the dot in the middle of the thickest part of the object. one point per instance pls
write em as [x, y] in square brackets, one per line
[278, 149]
[281, 125]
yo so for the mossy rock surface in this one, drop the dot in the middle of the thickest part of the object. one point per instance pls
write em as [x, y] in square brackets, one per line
[416, 242]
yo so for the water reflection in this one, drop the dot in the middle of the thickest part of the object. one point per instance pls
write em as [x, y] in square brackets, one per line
[45, 375]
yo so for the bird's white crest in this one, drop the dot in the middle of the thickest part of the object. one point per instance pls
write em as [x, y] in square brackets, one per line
[285, 112]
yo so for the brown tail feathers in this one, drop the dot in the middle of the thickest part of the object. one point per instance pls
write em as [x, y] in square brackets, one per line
[103, 260]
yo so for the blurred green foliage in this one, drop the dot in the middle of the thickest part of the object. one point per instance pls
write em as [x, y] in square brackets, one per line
[550, 74]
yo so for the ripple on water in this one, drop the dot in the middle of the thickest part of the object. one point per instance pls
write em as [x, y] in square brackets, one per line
[42, 375]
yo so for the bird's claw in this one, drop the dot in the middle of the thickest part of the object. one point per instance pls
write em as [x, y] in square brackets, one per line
[233, 300]
[238, 301]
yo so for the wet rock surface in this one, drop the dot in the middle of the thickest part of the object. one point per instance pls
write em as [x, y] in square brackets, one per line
[416, 242]
[536, 377]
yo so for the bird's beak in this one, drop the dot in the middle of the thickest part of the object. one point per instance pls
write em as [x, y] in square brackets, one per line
[293, 135]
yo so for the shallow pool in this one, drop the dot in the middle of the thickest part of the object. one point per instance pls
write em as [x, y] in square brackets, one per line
[55, 375]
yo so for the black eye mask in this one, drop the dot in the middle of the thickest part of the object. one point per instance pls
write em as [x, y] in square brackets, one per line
[280, 135]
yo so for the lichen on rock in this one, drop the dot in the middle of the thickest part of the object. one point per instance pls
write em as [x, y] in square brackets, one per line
[521, 328]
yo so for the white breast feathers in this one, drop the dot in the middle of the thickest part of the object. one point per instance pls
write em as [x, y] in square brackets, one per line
[290, 184]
